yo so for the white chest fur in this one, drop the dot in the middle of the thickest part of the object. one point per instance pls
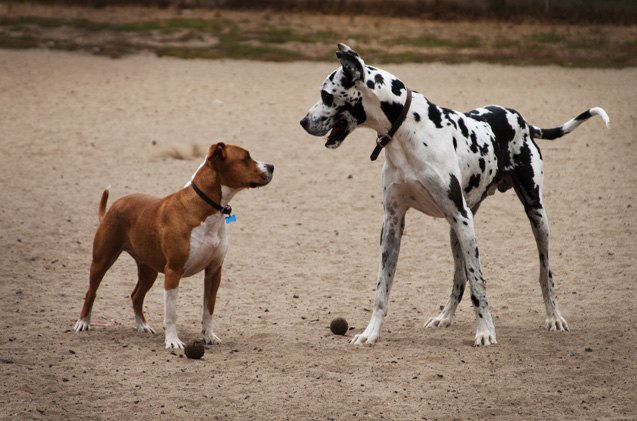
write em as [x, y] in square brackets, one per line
[208, 245]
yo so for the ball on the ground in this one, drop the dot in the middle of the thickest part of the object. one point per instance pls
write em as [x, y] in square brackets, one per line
[194, 349]
[339, 326]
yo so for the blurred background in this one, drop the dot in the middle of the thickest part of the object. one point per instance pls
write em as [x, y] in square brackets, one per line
[610, 11]
[583, 33]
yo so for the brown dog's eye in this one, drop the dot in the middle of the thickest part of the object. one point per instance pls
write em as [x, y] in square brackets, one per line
[247, 158]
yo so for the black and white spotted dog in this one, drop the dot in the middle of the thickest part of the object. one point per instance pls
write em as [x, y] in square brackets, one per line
[443, 163]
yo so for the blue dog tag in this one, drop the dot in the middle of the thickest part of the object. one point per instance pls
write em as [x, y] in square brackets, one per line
[231, 218]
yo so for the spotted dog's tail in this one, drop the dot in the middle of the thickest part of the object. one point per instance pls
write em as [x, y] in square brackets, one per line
[102, 209]
[570, 125]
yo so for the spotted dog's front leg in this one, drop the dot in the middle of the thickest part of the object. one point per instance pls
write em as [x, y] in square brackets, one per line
[460, 218]
[391, 234]
[485, 331]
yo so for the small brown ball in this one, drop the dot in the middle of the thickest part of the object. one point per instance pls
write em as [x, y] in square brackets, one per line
[194, 349]
[339, 326]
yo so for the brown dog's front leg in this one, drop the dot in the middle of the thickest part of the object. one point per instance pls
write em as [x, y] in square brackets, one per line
[212, 281]
[171, 287]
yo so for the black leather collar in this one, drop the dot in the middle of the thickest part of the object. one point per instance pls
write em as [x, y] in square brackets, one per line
[226, 210]
[383, 140]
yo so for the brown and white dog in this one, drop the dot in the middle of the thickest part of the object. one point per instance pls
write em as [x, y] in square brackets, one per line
[179, 235]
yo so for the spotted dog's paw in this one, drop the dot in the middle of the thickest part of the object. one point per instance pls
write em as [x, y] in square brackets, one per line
[485, 333]
[441, 320]
[556, 322]
[365, 338]
[484, 339]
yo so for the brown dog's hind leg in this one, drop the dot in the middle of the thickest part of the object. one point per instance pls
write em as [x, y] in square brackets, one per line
[99, 266]
[146, 277]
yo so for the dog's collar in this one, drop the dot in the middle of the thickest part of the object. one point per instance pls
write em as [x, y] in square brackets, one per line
[383, 140]
[226, 210]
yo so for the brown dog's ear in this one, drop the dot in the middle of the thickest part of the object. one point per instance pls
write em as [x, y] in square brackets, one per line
[217, 152]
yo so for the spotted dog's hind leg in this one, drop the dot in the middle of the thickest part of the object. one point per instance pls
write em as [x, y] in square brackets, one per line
[459, 280]
[391, 234]
[539, 223]
[528, 182]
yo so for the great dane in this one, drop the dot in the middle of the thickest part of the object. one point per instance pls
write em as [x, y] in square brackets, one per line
[443, 163]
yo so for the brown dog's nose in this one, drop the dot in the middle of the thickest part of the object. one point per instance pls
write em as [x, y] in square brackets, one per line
[305, 122]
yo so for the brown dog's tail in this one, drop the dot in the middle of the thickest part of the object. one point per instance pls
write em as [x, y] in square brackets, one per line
[102, 208]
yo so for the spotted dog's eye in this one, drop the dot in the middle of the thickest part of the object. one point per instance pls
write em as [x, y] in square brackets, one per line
[327, 98]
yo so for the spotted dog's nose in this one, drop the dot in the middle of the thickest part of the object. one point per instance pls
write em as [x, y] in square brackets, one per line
[305, 123]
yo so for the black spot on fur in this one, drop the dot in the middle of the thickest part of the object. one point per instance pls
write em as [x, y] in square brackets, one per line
[504, 133]
[384, 258]
[551, 134]
[347, 81]
[358, 112]
[474, 183]
[455, 194]
[475, 301]
[435, 116]
[370, 84]
[524, 178]
[397, 86]
[482, 164]
[461, 292]
[378, 78]
[476, 147]
[392, 110]
[417, 117]
[521, 121]
[584, 116]
[448, 113]
[327, 98]
[455, 144]
[331, 77]
[474, 142]
[463, 128]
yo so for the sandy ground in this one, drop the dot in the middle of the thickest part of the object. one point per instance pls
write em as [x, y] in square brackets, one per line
[304, 250]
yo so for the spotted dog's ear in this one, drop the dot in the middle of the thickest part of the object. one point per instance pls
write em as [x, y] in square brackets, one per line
[352, 64]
